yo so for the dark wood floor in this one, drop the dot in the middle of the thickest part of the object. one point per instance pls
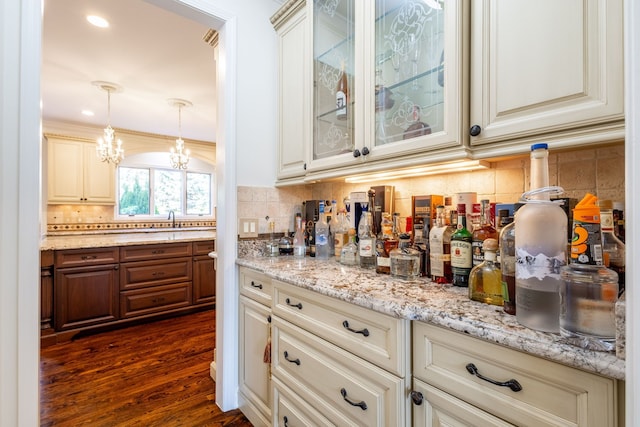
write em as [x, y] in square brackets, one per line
[156, 374]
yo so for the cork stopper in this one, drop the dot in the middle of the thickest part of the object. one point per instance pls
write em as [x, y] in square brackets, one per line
[352, 232]
[490, 244]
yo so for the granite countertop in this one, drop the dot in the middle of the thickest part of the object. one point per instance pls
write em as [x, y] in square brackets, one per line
[442, 305]
[76, 241]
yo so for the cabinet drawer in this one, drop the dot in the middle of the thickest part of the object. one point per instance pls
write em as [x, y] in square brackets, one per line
[291, 410]
[551, 394]
[376, 337]
[144, 252]
[345, 389]
[160, 298]
[89, 256]
[151, 273]
[255, 285]
[203, 247]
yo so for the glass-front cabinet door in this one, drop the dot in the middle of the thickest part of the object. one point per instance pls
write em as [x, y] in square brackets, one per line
[334, 72]
[388, 81]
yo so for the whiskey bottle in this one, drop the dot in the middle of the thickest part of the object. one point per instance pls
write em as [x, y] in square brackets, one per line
[461, 240]
[342, 95]
[508, 267]
[612, 246]
[484, 231]
[485, 279]
[440, 249]
[386, 242]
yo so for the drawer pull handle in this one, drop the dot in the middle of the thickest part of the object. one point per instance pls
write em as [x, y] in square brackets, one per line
[361, 404]
[285, 420]
[296, 361]
[157, 251]
[259, 285]
[157, 273]
[512, 384]
[88, 257]
[364, 331]
[298, 305]
[417, 398]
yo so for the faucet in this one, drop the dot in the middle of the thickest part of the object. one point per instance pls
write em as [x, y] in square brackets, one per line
[172, 214]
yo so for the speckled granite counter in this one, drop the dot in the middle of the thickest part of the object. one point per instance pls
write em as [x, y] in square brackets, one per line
[442, 305]
[123, 239]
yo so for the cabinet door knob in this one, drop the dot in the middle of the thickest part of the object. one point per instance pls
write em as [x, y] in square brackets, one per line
[365, 151]
[356, 153]
[475, 130]
[417, 398]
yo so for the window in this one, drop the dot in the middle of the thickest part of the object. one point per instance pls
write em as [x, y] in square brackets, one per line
[154, 192]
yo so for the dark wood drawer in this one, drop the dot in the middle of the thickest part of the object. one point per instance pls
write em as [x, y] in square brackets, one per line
[150, 252]
[151, 300]
[89, 256]
[203, 247]
[142, 274]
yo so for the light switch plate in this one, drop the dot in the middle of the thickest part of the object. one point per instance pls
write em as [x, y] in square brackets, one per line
[248, 227]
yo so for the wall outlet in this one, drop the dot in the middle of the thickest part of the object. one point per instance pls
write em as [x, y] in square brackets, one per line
[248, 227]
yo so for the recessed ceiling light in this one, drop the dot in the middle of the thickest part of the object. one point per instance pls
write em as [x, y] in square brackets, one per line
[98, 21]
[88, 113]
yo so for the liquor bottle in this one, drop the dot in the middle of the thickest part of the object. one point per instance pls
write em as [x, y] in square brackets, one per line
[340, 232]
[273, 246]
[484, 231]
[612, 246]
[342, 94]
[618, 220]
[349, 253]
[299, 248]
[386, 242]
[405, 260]
[508, 267]
[485, 279]
[440, 249]
[322, 235]
[541, 249]
[366, 239]
[334, 224]
[461, 258]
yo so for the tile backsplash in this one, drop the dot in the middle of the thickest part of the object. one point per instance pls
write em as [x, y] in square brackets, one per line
[596, 170]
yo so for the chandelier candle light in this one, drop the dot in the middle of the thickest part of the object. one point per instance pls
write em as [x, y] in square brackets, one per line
[178, 156]
[105, 150]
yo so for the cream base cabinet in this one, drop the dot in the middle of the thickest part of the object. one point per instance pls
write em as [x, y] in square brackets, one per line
[345, 362]
[76, 175]
[545, 70]
[453, 370]
[254, 374]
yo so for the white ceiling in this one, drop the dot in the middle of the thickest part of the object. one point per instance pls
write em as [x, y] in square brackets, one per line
[152, 54]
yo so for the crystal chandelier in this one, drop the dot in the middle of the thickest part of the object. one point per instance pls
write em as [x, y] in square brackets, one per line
[178, 156]
[106, 150]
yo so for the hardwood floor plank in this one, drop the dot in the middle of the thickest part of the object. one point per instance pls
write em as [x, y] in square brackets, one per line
[154, 374]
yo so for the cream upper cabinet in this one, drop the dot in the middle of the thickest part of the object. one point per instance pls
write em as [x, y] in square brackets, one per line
[294, 123]
[387, 84]
[76, 175]
[545, 70]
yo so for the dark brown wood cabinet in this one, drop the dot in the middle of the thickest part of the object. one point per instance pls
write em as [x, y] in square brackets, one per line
[86, 296]
[204, 273]
[97, 287]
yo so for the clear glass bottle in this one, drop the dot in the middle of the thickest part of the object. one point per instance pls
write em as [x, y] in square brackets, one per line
[541, 249]
[366, 239]
[485, 279]
[588, 294]
[340, 232]
[461, 250]
[508, 267]
[349, 254]
[483, 231]
[440, 249]
[273, 245]
[299, 247]
[612, 246]
[334, 223]
[405, 261]
[322, 235]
